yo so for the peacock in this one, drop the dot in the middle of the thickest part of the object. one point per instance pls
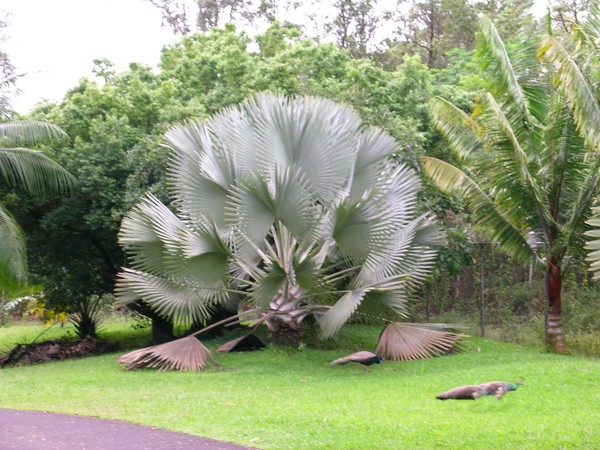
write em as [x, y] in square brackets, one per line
[472, 392]
[364, 357]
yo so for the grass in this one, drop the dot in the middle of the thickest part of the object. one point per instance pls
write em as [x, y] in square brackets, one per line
[279, 399]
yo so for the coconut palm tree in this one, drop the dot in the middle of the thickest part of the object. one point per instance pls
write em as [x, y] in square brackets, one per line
[530, 158]
[288, 203]
[583, 95]
[32, 171]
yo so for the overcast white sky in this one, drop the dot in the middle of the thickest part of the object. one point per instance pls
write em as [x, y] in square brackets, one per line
[54, 42]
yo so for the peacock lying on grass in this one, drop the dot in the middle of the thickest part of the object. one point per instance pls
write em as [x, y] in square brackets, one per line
[472, 392]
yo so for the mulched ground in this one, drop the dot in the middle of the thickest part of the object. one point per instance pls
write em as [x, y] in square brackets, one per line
[33, 430]
[55, 350]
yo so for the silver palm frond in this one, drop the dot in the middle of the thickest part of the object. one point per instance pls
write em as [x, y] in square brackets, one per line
[404, 341]
[288, 201]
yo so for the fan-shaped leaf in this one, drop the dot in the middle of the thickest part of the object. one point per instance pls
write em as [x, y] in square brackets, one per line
[181, 302]
[187, 353]
[338, 314]
[402, 342]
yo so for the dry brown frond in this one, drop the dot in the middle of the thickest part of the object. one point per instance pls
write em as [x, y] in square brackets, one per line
[248, 341]
[402, 342]
[187, 353]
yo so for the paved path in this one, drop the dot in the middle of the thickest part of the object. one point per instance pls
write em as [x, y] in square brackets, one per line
[32, 430]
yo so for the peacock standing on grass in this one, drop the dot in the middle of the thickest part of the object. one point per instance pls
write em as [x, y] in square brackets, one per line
[472, 392]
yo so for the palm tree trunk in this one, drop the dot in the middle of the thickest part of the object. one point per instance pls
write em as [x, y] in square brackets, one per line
[283, 335]
[555, 337]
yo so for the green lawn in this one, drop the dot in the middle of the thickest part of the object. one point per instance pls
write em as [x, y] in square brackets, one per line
[278, 399]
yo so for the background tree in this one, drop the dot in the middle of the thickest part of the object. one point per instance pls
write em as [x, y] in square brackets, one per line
[528, 178]
[354, 25]
[433, 29]
[7, 72]
[75, 253]
[204, 15]
[512, 18]
[569, 13]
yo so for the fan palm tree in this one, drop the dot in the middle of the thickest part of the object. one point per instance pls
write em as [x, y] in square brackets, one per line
[288, 203]
[32, 171]
[530, 158]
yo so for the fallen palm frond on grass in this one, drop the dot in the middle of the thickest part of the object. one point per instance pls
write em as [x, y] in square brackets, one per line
[397, 342]
[404, 341]
[248, 341]
[186, 353]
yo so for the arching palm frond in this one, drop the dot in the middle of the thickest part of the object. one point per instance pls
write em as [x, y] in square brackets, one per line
[461, 131]
[582, 96]
[504, 166]
[20, 133]
[510, 155]
[452, 179]
[503, 79]
[32, 171]
[13, 260]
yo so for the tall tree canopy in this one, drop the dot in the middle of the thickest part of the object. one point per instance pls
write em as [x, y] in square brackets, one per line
[366, 28]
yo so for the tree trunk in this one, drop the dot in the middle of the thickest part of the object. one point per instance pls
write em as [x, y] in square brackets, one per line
[284, 336]
[162, 330]
[555, 336]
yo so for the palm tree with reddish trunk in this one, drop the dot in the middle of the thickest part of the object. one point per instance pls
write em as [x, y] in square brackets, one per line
[529, 156]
